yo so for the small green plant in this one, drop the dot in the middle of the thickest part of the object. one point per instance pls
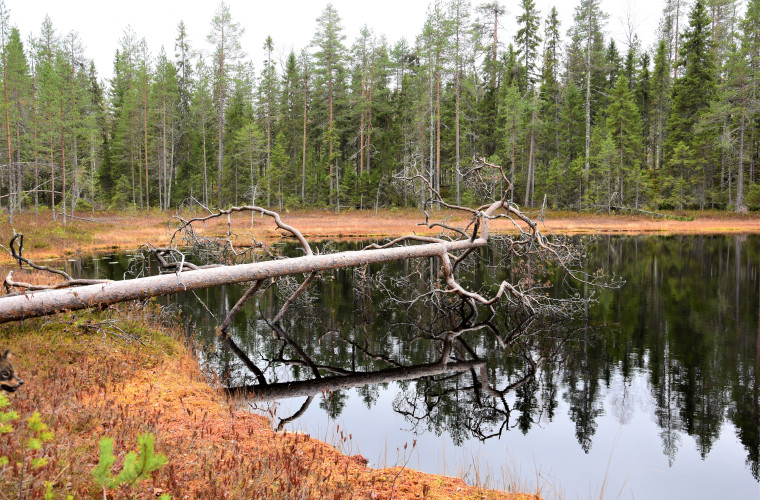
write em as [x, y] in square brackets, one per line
[37, 434]
[136, 467]
[6, 417]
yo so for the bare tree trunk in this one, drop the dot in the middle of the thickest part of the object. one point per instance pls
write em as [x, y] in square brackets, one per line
[303, 149]
[34, 144]
[269, 150]
[369, 111]
[139, 171]
[740, 174]
[588, 93]
[437, 184]
[205, 174]
[531, 166]
[360, 170]
[63, 163]
[166, 184]
[145, 140]
[11, 200]
[220, 125]
[456, 113]
[52, 177]
[675, 56]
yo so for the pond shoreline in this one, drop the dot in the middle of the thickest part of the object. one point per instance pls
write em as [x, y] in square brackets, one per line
[47, 239]
[139, 377]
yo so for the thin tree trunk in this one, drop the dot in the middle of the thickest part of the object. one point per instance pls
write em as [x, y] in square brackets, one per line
[205, 174]
[8, 137]
[139, 172]
[220, 125]
[369, 111]
[52, 176]
[675, 54]
[63, 164]
[166, 183]
[360, 170]
[303, 145]
[456, 113]
[740, 174]
[438, 126]
[330, 126]
[531, 167]
[588, 94]
[145, 139]
[34, 126]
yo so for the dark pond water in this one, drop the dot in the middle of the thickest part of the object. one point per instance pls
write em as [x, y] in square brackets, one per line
[655, 394]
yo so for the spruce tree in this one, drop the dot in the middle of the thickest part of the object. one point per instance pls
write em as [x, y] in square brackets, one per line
[691, 97]
[624, 127]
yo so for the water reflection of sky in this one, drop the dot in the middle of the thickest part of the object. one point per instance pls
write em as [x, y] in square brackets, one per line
[637, 466]
[666, 318]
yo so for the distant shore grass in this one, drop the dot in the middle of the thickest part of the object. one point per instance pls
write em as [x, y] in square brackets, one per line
[48, 239]
[120, 373]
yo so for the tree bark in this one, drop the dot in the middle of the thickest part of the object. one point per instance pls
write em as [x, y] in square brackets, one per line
[34, 304]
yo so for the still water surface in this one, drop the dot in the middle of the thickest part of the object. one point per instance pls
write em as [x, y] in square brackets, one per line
[656, 394]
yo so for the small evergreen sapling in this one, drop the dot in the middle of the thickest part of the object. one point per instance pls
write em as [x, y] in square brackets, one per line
[136, 467]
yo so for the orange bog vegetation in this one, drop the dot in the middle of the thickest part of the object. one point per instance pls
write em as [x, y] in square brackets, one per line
[111, 231]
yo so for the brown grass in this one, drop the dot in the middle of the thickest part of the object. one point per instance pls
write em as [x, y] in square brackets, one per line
[87, 382]
[117, 231]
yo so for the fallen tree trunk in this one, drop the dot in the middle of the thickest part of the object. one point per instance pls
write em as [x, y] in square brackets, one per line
[42, 303]
[452, 246]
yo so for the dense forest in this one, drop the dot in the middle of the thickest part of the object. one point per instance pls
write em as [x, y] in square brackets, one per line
[580, 121]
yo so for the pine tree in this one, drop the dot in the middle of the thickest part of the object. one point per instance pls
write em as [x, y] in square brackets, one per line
[225, 37]
[460, 15]
[268, 91]
[329, 60]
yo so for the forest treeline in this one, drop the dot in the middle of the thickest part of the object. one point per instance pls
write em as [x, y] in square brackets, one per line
[580, 121]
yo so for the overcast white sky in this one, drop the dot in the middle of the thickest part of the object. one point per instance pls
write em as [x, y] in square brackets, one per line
[291, 23]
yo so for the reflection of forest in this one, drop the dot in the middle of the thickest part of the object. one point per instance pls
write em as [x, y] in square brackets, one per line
[687, 319]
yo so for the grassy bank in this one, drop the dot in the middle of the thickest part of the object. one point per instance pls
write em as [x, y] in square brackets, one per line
[121, 373]
[46, 238]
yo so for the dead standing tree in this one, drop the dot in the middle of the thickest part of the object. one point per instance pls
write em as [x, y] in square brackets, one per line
[450, 247]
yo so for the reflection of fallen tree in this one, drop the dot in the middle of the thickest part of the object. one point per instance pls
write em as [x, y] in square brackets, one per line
[282, 390]
[477, 401]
